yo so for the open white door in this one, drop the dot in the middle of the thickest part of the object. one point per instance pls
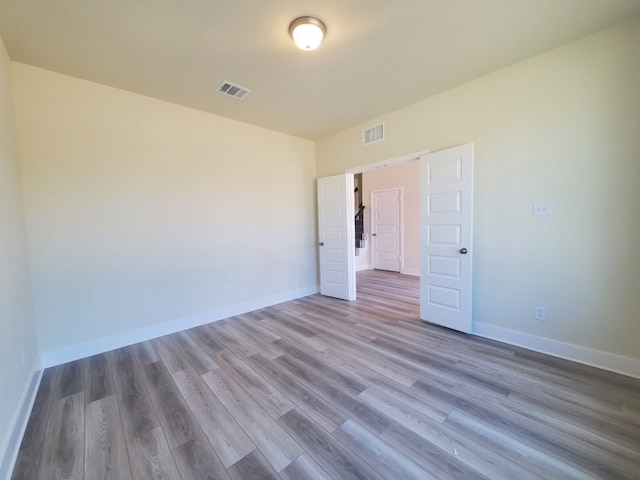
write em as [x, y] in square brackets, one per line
[336, 242]
[446, 253]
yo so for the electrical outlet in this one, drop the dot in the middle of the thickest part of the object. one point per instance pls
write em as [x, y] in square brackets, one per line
[541, 313]
[541, 209]
[24, 358]
[229, 291]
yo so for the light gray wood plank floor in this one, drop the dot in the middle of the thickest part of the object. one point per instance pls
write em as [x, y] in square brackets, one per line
[319, 388]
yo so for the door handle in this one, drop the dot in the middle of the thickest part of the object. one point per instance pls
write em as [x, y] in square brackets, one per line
[374, 234]
[464, 251]
[321, 244]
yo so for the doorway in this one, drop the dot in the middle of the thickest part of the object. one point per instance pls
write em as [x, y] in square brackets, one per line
[445, 206]
[400, 219]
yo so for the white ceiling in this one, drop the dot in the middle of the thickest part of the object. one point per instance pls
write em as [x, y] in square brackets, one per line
[379, 55]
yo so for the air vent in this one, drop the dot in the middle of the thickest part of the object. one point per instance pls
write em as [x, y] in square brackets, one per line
[231, 90]
[373, 134]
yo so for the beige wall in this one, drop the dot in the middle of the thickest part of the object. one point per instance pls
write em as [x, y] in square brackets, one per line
[18, 352]
[141, 212]
[407, 176]
[563, 127]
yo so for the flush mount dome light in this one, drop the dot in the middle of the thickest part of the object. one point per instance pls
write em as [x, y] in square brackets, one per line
[307, 32]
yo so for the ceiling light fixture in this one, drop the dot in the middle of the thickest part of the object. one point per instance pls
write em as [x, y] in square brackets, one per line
[307, 32]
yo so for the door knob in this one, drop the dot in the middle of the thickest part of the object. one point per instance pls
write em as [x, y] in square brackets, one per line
[321, 244]
[463, 251]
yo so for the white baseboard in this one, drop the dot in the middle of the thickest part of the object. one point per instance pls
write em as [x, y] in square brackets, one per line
[576, 353]
[405, 271]
[111, 342]
[410, 271]
[11, 444]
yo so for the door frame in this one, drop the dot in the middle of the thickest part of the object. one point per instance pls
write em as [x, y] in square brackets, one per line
[400, 226]
[389, 163]
[392, 162]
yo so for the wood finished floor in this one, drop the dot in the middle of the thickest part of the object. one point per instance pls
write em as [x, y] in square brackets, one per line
[319, 388]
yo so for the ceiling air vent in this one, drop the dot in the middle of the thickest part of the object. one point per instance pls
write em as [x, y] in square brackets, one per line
[373, 134]
[231, 90]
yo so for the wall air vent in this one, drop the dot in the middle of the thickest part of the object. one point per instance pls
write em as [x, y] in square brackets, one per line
[231, 90]
[373, 134]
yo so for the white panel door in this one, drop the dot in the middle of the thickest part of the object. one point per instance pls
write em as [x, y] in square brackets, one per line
[336, 242]
[385, 229]
[446, 211]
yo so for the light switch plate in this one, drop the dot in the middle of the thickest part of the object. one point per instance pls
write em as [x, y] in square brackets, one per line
[541, 209]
